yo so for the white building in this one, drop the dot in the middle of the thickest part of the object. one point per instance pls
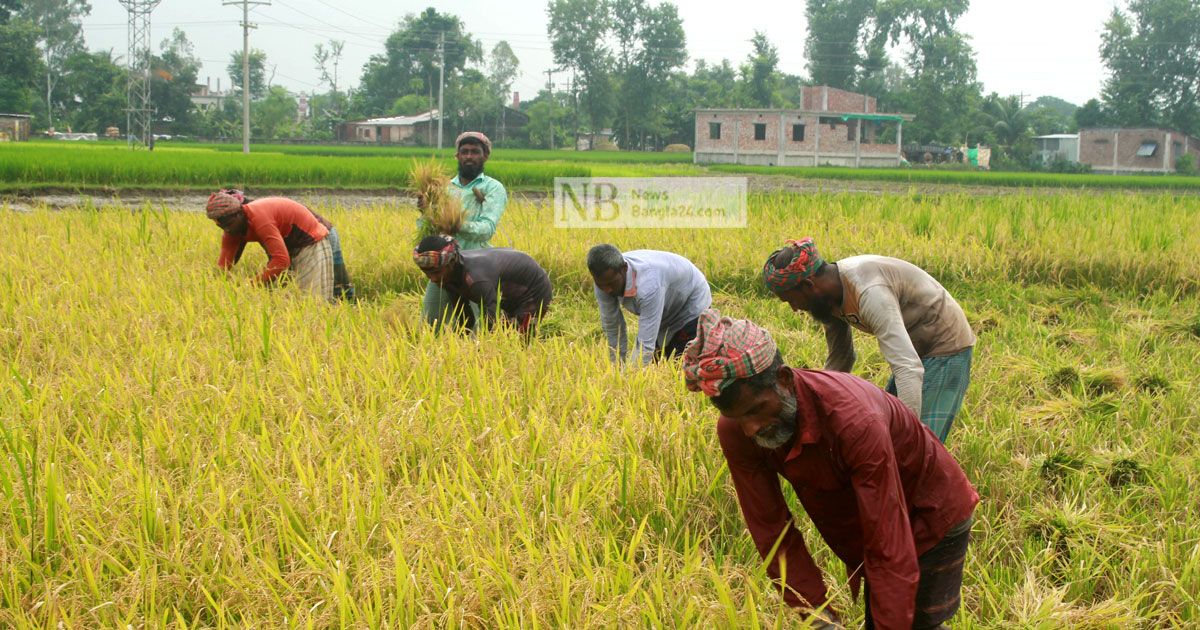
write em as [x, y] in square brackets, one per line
[1057, 147]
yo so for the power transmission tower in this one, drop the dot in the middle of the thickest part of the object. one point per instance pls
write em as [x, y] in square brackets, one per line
[138, 113]
[246, 26]
[441, 50]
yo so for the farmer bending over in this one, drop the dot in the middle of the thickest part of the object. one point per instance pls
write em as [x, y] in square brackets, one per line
[296, 240]
[923, 334]
[666, 291]
[886, 496]
[498, 281]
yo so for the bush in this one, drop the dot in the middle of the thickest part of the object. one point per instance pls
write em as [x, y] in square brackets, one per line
[1067, 166]
[1186, 165]
[677, 148]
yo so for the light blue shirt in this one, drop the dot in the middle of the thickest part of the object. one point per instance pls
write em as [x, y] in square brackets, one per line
[482, 217]
[665, 291]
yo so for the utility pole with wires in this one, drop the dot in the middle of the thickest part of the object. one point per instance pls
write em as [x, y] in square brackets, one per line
[441, 50]
[246, 26]
[138, 113]
[550, 94]
[574, 89]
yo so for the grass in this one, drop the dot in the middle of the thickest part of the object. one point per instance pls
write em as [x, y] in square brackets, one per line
[105, 167]
[184, 449]
[974, 178]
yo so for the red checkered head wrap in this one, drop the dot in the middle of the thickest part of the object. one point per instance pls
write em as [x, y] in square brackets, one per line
[222, 204]
[477, 136]
[804, 262]
[724, 351]
[440, 258]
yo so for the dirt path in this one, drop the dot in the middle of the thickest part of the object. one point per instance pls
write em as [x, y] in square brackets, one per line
[351, 199]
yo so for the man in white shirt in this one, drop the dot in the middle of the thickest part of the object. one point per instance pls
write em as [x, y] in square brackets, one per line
[666, 291]
[923, 334]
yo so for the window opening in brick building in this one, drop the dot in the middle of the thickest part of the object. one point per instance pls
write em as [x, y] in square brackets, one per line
[798, 133]
[1147, 149]
[714, 131]
[760, 131]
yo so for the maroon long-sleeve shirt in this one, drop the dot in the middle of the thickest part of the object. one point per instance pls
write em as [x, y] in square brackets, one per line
[879, 486]
[282, 226]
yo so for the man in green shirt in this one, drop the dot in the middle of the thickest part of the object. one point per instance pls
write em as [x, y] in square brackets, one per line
[483, 200]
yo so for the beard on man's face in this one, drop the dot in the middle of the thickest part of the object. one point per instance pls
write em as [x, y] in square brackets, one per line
[469, 171]
[781, 431]
[821, 309]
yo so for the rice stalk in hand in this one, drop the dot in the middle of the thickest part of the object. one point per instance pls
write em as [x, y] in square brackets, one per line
[442, 210]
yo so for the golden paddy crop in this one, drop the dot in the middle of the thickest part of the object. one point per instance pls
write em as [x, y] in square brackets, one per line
[186, 449]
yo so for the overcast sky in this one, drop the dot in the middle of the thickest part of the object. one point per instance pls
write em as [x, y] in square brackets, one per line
[1035, 47]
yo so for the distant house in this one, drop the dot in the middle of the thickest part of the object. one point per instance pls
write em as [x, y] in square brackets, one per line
[416, 129]
[1057, 147]
[832, 126]
[1146, 150]
[204, 98]
[421, 129]
[594, 140]
[15, 127]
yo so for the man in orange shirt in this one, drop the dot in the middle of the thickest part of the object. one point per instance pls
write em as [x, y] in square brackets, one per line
[295, 238]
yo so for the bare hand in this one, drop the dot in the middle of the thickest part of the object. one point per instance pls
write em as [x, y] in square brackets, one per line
[420, 202]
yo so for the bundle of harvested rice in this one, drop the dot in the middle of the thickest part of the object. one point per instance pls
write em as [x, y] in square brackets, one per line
[442, 211]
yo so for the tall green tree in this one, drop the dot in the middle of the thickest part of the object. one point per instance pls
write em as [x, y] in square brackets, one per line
[59, 25]
[1150, 51]
[21, 66]
[579, 31]
[97, 85]
[173, 75]
[760, 72]
[275, 115]
[833, 46]
[1091, 114]
[409, 63]
[258, 73]
[503, 69]
[651, 45]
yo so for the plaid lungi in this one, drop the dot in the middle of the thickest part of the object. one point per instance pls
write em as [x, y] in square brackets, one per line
[343, 289]
[939, 588]
[312, 267]
[942, 391]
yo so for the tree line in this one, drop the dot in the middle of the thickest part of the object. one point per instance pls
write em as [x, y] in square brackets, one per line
[622, 66]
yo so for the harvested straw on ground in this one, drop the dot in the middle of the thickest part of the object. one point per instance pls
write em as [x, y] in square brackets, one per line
[443, 211]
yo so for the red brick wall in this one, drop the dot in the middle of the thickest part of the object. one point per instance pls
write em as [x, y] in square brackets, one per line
[1096, 147]
[814, 98]
[737, 135]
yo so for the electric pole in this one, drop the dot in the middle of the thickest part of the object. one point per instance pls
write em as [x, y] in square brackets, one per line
[441, 82]
[246, 26]
[550, 94]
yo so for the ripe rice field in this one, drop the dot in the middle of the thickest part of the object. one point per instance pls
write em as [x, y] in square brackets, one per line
[182, 449]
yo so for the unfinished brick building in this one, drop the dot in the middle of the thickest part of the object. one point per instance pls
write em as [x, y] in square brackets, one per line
[1135, 150]
[832, 127]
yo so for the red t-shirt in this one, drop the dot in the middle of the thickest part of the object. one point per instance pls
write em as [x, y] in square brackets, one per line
[282, 226]
[879, 486]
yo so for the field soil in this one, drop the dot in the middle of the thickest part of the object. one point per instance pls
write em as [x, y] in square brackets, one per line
[66, 198]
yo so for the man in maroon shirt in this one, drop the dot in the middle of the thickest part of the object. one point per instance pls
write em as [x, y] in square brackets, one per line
[883, 492]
